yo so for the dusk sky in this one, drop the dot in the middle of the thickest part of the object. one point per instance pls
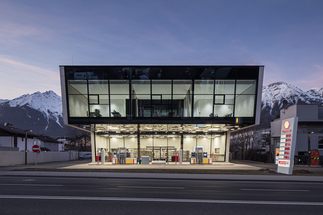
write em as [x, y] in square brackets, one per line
[36, 36]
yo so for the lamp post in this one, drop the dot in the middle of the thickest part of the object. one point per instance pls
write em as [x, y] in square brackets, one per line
[309, 147]
[26, 145]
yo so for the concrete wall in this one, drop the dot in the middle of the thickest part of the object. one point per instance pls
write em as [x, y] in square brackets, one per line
[307, 112]
[8, 158]
[276, 128]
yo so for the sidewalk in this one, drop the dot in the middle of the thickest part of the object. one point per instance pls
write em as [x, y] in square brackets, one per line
[87, 167]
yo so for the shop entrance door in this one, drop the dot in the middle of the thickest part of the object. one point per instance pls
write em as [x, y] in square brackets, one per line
[159, 153]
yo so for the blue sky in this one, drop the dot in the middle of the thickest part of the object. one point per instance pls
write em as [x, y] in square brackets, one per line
[37, 36]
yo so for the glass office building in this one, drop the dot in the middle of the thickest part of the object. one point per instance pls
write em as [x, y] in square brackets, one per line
[156, 111]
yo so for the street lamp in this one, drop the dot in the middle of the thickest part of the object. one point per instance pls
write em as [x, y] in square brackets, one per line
[26, 145]
[309, 147]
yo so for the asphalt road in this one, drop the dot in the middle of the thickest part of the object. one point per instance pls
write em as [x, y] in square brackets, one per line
[69, 195]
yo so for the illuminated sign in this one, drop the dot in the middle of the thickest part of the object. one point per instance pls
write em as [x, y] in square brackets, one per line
[284, 163]
[287, 146]
[286, 124]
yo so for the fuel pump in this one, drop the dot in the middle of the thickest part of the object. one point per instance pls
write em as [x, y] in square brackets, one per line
[199, 155]
[97, 158]
[122, 155]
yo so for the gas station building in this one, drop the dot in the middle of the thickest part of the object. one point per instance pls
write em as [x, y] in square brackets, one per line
[161, 114]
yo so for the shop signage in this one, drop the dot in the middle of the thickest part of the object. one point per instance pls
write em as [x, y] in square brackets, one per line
[287, 146]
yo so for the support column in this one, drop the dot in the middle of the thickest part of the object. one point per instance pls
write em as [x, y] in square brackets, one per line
[138, 143]
[227, 148]
[93, 143]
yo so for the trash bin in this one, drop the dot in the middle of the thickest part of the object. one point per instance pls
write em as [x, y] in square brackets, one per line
[139, 161]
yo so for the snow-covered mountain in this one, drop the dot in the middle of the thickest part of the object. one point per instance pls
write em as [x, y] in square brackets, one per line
[41, 112]
[280, 95]
[48, 103]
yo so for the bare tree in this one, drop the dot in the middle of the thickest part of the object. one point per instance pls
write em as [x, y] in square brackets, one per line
[81, 139]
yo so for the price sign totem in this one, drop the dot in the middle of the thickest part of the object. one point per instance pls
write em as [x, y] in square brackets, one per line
[287, 145]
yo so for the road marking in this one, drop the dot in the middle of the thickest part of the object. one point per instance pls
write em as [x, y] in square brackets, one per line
[275, 190]
[209, 201]
[33, 185]
[144, 187]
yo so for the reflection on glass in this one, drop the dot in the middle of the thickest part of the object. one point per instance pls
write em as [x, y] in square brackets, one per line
[161, 87]
[78, 105]
[203, 105]
[182, 86]
[98, 87]
[203, 86]
[246, 87]
[141, 86]
[119, 86]
[244, 106]
[77, 87]
[224, 86]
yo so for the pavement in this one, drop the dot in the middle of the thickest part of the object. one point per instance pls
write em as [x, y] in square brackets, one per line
[87, 169]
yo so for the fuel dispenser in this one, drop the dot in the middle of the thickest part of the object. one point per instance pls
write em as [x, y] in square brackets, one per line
[97, 157]
[122, 155]
[199, 155]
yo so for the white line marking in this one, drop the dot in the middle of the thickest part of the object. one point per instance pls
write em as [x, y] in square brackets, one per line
[33, 185]
[143, 187]
[275, 190]
[86, 198]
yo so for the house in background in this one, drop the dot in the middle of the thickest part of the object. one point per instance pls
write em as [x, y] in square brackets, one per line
[50, 144]
[13, 139]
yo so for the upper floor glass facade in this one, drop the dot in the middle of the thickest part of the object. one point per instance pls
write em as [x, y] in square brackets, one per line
[160, 94]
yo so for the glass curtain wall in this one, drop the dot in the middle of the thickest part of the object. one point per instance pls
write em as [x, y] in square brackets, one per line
[78, 98]
[161, 98]
[224, 98]
[141, 98]
[119, 95]
[99, 98]
[245, 98]
[214, 145]
[203, 98]
[182, 98]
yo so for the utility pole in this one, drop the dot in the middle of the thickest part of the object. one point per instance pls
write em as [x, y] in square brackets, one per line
[26, 145]
[309, 148]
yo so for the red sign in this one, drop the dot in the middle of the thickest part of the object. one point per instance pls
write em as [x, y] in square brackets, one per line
[35, 148]
[283, 162]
